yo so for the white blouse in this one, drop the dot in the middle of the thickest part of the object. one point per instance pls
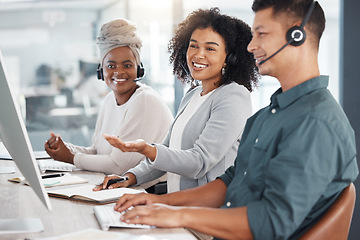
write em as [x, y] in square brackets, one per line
[173, 180]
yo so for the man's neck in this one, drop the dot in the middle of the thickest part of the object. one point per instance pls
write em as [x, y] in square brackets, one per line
[294, 76]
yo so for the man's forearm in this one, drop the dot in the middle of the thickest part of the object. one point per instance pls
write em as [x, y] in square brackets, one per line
[208, 195]
[223, 223]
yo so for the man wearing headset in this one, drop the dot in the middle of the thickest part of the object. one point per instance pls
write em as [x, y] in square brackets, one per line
[296, 155]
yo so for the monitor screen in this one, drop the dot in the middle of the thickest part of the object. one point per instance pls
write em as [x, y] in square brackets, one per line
[15, 137]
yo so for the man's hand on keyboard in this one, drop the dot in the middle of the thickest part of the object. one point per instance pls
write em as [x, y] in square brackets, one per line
[57, 150]
[159, 215]
[129, 200]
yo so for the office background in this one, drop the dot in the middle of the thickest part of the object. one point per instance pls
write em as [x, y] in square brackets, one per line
[51, 56]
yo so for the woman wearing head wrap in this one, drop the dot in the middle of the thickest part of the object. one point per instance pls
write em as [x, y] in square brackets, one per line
[131, 110]
[203, 140]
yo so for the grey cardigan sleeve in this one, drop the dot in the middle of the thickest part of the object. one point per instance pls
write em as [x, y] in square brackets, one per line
[145, 172]
[209, 135]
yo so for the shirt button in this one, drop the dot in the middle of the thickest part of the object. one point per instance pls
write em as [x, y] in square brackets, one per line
[273, 110]
[245, 172]
[256, 140]
[228, 204]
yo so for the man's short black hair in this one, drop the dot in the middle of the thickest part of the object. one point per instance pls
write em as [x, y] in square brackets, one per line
[296, 11]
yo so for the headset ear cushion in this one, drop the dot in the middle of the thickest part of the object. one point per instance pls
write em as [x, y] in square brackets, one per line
[99, 73]
[297, 35]
[231, 59]
[140, 71]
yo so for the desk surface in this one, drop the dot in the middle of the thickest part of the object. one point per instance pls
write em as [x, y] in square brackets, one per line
[19, 201]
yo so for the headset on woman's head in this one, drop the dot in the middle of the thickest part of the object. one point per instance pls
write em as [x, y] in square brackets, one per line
[140, 72]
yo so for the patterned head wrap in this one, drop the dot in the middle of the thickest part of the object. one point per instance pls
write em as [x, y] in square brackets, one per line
[118, 33]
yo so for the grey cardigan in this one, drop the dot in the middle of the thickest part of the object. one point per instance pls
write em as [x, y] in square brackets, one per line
[209, 142]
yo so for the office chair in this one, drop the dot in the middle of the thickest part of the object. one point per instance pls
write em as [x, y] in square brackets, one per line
[335, 223]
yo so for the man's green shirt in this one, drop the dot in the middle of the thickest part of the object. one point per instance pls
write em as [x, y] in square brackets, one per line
[295, 157]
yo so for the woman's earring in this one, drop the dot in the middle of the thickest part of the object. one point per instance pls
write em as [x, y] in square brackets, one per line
[223, 70]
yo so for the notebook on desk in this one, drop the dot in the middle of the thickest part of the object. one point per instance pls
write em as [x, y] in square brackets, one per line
[86, 194]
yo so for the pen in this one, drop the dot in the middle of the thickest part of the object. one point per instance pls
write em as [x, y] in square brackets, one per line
[116, 180]
[52, 175]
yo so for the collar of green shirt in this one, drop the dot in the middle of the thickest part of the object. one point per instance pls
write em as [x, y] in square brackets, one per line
[284, 99]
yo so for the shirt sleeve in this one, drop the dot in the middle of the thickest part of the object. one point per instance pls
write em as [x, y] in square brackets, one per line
[229, 112]
[147, 118]
[228, 175]
[296, 178]
[145, 172]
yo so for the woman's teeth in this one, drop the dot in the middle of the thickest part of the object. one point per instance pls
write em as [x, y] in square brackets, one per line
[119, 80]
[197, 65]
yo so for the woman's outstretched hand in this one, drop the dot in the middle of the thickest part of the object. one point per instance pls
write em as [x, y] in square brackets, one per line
[130, 146]
[138, 145]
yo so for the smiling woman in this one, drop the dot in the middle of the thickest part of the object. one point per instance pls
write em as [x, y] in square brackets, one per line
[120, 70]
[206, 56]
[211, 48]
[130, 110]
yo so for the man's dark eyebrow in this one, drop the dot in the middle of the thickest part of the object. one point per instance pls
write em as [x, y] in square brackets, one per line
[213, 43]
[257, 28]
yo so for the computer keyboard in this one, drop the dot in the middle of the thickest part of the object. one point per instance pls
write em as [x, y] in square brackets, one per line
[53, 165]
[107, 218]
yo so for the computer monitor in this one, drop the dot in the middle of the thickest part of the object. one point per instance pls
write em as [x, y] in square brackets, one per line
[16, 140]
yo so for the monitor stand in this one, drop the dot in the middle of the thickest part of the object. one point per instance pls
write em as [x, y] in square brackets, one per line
[24, 225]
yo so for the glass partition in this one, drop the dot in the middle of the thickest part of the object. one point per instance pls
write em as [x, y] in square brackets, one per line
[51, 56]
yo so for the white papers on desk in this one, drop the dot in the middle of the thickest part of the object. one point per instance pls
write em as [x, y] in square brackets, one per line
[5, 155]
[21, 225]
[92, 234]
[7, 170]
[67, 179]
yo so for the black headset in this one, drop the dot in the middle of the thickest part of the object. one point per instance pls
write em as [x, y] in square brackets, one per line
[296, 35]
[140, 72]
[231, 59]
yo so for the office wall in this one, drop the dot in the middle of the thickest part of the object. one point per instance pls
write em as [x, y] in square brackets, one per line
[349, 75]
[56, 37]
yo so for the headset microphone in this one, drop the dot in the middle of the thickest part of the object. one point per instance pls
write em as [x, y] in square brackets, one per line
[263, 61]
[296, 35]
[137, 79]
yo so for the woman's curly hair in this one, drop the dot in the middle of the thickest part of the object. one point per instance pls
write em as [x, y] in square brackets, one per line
[240, 64]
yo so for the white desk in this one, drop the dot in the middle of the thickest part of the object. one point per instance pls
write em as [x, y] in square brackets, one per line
[19, 201]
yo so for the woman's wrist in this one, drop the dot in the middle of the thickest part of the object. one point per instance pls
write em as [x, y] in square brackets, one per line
[132, 179]
[70, 158]
[150, 152]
